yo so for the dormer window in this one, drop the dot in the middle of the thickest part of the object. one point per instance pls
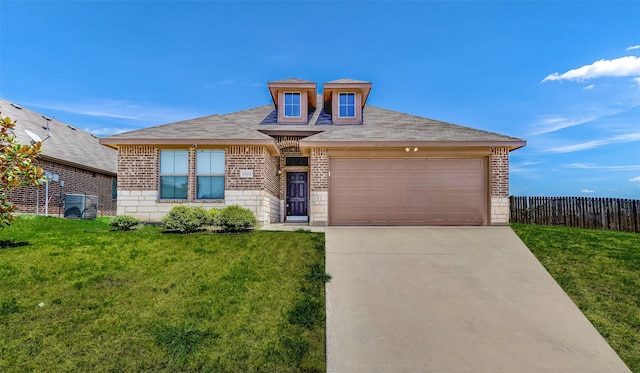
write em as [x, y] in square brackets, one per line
[347, 105]
[292, 104]
[295, 101]
[344, 100]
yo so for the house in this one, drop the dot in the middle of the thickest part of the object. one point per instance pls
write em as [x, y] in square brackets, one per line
[325, 159]
[76, 161]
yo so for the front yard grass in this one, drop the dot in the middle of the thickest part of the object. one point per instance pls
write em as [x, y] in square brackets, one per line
[600, 271]
[76, 296]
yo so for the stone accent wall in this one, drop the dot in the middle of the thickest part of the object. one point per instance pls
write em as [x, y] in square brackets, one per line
[499, 210]
[264, 205]
[31, 200]
[138, 167]
[319, 163]
[144, 205]
[319, 208]
[499, 166]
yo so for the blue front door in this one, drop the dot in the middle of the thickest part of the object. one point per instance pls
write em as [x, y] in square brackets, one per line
[297, 194]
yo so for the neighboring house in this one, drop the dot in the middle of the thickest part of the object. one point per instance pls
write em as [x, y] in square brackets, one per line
[81, 164]
[326, 159]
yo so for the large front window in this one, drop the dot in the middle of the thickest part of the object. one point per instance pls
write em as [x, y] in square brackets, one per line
[347, 105]
[292, 104]
[210, 174]
[174, 170]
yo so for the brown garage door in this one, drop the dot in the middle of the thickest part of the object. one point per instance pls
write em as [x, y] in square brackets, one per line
[408, 192]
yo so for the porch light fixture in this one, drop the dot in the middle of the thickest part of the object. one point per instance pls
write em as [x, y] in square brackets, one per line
[407, 149]
[415, 149]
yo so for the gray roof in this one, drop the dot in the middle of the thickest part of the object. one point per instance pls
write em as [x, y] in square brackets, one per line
[212, 126]
[291, 80]
[347, 80]
[67, 144]
[380, 126]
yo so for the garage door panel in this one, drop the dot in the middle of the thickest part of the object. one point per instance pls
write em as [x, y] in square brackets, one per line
[408, 192]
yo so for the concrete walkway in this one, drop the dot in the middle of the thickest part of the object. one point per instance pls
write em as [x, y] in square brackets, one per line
[450, 299]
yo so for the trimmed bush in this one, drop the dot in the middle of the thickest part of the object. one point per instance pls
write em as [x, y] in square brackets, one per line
[214, 217]
[186, 219]
[237, 219]
[124, 223]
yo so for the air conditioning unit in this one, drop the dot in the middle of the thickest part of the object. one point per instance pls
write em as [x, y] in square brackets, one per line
[80, 206]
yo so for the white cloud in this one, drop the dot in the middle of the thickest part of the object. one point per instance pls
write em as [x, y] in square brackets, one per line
[589, 87]
[107, 131]
[630, 137]
[552, 123]
[623, 66]
[633, 47]
[522, 166]
[591, 166]
[588, 191]
[141, 113]
[637, 81]
[635, 179]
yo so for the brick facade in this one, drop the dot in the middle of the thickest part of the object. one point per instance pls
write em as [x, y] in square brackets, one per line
[319, 197]
[138, 193]
[265, 192]
[32, 200]
[319, 169]
[138, 167]
[500, 172]
[499, 175]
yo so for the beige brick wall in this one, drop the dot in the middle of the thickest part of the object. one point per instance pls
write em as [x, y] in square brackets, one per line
[319, 198]
[138, 167]
[319, 163]
[138, 189]
[499, 166]
[500, 172]
[32, 200]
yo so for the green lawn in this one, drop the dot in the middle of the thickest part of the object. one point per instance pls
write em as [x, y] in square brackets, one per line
[600, 270]
[76, 296]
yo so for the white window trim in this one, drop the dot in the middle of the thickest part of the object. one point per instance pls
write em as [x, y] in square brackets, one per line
[284, 105]
[355, 115]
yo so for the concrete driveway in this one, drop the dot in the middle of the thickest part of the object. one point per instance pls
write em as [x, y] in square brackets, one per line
[451, 299]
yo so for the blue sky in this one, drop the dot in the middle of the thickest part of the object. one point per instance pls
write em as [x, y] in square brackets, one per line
[565, 76]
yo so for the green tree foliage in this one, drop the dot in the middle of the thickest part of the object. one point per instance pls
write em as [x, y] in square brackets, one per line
[18, 167]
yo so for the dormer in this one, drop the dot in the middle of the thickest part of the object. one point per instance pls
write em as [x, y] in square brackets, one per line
[294, 100]
[344, 99]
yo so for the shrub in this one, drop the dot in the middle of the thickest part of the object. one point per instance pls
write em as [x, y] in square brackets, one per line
[214, 217]
[124, 223]
[237, 219]
[186, 219]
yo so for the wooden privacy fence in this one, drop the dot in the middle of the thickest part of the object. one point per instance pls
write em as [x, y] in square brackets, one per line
[581, 212]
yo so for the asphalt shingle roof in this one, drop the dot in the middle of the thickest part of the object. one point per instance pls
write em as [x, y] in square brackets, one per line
[67, 144]
[380, 125]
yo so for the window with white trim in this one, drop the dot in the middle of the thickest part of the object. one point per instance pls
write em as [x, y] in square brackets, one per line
[210, 174]
[174, 172]
[347, 105]
[291, 104]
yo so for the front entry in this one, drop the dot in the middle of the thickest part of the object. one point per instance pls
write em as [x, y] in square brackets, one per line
[297, 196]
